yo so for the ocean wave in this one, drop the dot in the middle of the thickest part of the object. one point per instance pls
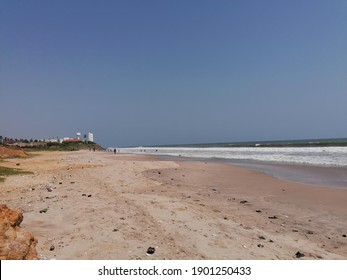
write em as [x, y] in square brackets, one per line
[320, 156]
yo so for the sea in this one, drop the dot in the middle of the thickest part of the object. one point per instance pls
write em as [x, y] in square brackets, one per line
[320, 162]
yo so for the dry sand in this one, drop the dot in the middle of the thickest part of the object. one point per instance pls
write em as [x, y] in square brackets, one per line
[97, 205]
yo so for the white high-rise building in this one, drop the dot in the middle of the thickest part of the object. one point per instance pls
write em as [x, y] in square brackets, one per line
[90, 137]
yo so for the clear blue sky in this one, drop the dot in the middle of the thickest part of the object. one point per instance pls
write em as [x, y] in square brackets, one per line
[179, 71]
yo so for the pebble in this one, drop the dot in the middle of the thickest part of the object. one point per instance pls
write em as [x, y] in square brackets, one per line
[150, 250]
[273, 217]
[299, 255]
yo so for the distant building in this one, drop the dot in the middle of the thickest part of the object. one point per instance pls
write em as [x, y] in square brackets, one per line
[72, 140]
[90, 137]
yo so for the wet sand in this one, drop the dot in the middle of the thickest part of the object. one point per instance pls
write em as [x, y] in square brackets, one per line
[105, 206]
[327, 177]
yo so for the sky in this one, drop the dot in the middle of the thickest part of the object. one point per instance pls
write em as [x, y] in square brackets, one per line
[160, 72]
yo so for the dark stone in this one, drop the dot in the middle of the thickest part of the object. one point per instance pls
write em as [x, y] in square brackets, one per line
[150, 250]
[344, 235]
[89, 195]
[52, 248]
[273, 217]
[243, 201]
[299, 255]
[260, 245]
[258, 211]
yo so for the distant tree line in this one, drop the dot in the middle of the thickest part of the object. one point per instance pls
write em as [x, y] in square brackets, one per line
[7, 140]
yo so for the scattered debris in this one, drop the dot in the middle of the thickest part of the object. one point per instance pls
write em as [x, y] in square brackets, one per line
[273, 217]
[150, 250]
[309, 232]
[299, 255]
[44, 210]
[260, 245]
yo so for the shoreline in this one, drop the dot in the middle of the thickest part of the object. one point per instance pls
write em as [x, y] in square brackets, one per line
[105, 206]
[320, 176]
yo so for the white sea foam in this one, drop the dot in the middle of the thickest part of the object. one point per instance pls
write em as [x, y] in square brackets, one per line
[320, 156]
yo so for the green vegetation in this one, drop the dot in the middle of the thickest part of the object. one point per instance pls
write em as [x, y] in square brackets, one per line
[7, 171]
[70, 146]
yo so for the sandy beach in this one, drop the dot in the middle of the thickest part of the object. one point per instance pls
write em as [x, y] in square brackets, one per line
[97, 205]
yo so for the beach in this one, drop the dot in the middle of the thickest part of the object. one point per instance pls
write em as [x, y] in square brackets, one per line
[99, 205]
